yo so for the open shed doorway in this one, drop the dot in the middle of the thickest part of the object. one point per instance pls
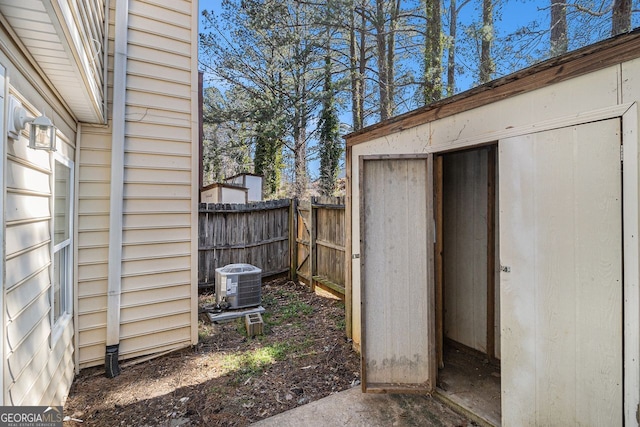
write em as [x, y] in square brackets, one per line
[467, 286]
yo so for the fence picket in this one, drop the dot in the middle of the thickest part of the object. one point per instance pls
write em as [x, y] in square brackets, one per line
[304, 239]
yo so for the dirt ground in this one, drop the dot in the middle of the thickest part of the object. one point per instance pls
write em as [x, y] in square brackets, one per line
[229, 379]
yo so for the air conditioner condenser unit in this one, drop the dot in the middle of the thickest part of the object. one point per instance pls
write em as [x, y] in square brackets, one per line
[239, 285]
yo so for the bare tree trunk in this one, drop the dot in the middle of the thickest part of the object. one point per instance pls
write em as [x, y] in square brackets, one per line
[357, 62]
[300, 115]
[559, 41]
[432, 89]
[391, 54]
[487, 66]
[451, 55]
[356, 113]
[453, 37]
[381, 45]
[300, 141]
[362, 61]
[621, 17]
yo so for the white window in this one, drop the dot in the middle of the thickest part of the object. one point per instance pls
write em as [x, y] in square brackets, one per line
[62, 238]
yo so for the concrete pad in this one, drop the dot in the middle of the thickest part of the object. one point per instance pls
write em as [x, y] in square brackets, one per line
[354, 408]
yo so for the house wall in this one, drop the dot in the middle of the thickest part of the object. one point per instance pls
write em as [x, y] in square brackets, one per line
[159, 275]
[37, 357]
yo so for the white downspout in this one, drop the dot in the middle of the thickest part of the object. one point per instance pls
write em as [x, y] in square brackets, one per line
[117, 187]
[4, 106]
[105, 63]
[75, 246]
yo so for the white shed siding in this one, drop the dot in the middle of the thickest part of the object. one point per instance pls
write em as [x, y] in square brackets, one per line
[511, 116]
[157, 310]
[568, 93]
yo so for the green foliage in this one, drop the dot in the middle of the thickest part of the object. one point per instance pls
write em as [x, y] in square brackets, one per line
[226, 148]
[254, 362]
[268, 149]
[330, 144]
[295, 309]
[265, 53]
[268, 58]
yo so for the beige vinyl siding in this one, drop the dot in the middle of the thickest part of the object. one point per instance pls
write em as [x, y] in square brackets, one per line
[156, 318]
[157, 282]
[93, 244]
[39, 359]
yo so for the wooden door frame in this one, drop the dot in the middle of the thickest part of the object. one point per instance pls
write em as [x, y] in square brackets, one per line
[438, 174]
[630, 266]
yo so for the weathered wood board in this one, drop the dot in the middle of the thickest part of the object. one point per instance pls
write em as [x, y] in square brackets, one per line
[397, 267]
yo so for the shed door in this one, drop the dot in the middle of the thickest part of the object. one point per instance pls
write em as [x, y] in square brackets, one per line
[397, 275]
[561, 301]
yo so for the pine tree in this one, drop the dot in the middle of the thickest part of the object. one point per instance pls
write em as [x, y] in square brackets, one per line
[331, 146]
[559, 42]
[432, 89]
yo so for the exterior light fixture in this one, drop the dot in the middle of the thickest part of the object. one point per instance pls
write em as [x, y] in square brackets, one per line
[42, 132]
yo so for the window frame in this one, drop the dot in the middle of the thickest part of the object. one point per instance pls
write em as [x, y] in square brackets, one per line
[65, 249]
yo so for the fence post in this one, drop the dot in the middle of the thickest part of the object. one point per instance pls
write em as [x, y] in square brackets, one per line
[293, 242]
[313, 253]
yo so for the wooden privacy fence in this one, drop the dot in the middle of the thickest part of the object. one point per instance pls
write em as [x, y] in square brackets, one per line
[254, 233]
[304, 239]
[320, 247]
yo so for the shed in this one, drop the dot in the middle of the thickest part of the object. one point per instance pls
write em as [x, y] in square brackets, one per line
[495, 234]
[224, 193]
[99, 237]
[250, 181]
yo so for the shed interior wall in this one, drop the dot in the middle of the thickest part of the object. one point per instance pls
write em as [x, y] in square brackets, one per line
[469, 375]
[465, 248]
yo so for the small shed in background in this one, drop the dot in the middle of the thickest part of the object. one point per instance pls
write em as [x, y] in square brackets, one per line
[250, 181]
[224, 193]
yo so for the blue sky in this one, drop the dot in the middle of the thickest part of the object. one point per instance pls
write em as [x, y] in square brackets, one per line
[512, 15]
[509, 16]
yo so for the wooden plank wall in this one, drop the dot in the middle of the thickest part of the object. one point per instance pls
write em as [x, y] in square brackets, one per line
[255, 233]
[303, 242]
[320, 243]
[328, 263]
